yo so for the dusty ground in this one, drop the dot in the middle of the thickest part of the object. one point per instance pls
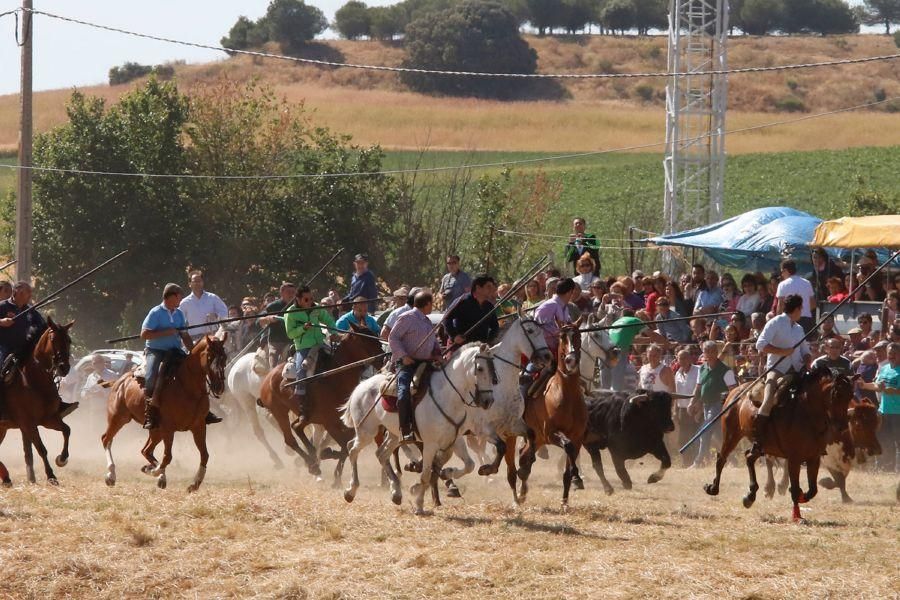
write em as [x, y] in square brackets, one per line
[255, 532]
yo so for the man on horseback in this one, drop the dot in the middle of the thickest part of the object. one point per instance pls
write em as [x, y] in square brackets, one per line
[413, 340]
[19, 336]
[778, 339]
[277, 339]
[550, 315]
[163, 341]
[471, 308]
[303, 324]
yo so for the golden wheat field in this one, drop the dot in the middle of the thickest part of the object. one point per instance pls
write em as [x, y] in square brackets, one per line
[374, 108]
[252, 531]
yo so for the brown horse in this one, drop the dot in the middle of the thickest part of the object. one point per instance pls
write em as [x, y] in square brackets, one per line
[184, 402]
[32, 400]
[324, 396]
[798, 431]
[558, 416]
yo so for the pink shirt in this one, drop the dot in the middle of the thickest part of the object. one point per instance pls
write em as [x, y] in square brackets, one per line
[547, 314]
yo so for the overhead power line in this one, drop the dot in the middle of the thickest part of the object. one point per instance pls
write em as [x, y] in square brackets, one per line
[327, 63]
[507, 163]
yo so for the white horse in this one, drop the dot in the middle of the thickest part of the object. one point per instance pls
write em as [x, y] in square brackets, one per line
[596, 349]
[462, 386]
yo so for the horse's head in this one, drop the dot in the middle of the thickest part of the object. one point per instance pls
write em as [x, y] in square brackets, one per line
[213, 358]
[599, 342]
[528, 338]
[837, 390]
[569, 348]
[864, 422]
[60, 345]
[485, 373]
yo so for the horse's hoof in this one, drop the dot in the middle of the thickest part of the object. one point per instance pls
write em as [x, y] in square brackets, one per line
[110, 480]
[192, 488]
[485, 470]
[827, 483]
[413, 467]
[147, 469]
[161, 482]
[608, 490]
[61, 462]
[654, 478]
[53, 481]
[349, 495]
[315, 471]
[397, 498]
[795, 515]
[453, 492]
[278, 466]
[626, 485]
[711, 489]
[748, 501]
[802, 499]
[6, 484]
[578, 483]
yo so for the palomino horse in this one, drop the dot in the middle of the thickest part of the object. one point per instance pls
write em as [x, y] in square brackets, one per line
[184, 403]
[798, 431]
[596, 350]
[558, 416]
[32, 400]
[457, 389]
[324, 397]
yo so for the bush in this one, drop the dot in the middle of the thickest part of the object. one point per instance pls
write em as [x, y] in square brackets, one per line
[897, 38]
[790, 104]
[128, 72]
[618, 15]
[644, 91]
[386, 22]
[472, 36]
[353, 20]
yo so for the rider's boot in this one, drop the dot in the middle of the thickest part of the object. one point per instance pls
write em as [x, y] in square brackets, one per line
[404, 412]
[212, 418]
[151, 414]
[66, 408]
[759, 428]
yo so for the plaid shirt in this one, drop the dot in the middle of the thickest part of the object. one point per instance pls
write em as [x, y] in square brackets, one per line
[413, 335]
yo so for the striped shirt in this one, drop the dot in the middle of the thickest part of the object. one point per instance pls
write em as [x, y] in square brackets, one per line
[413, 335]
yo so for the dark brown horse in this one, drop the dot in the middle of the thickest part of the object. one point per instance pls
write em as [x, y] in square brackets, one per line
[798, 430]
[324, 396]
[32, 400]
[184, 402]
[558, 416]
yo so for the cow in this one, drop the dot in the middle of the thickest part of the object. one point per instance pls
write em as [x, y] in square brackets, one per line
[853, 445]
[630, 426]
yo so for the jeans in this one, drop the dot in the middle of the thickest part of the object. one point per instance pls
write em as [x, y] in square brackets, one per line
[404, 393]
[711, 438]
[152, 359]
[299, 357]
[614, 378]
[685, 426]
[889, 438]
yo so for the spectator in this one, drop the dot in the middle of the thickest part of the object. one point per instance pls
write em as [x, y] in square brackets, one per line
[398, 300]
[887, 381]
[856, 343]
[556, 310]
[455, 283]
[598, 291]
[730, 349]
[686, 377]
[637, 276]
[475, 308]
[579, 243]
[100, 371]
[824, 269]
[277, 340]
[362, 282]
[677, 300]
[870, 337]
[550, 287]
[794, 284]
[658, 290]
[837, 291]
[627, 330]
[757, 322]
[766, 299]
[889, 312]
[710, 298]
[867, 369]
[749, 301]
[399, 312]
[201, 307]
[655, 375]
[631, 300]
[827, 330]
[695, 284]
[739, 320]
[730, 293]
[699, 331]
[359, 316]
[532, 294]
[675, 331]
[6, 290]
[715, 380]
[233, 340]
[881, 352]
[586, 272]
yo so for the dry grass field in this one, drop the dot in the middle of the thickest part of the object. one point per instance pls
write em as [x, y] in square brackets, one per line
[374, 108]
[255, 532]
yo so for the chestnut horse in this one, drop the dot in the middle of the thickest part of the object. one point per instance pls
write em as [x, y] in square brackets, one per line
[32, 400]
[184, 402]
[558, 417]
[798, 431]
[324, 396]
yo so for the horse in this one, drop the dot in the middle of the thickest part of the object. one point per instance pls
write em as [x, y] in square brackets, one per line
[596, 349]
[184, 403]
[32, 400]
[324, 397]
[559, 415]
[457, 389]
[798, 431]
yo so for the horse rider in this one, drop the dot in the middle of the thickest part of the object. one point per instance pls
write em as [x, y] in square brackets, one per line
[469, 309]
[413, 341]
[778, 339]
[163, 337]
[303, 324]
[18, 337]
[549, 316]
[277, 339]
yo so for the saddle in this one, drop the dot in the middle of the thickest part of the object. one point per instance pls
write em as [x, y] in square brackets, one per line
[787, 393]
[419, 387]
[169, 367]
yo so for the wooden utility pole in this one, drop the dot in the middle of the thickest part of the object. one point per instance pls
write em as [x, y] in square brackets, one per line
[23, 196]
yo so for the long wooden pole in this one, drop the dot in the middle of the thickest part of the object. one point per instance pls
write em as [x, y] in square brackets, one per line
[23, 192]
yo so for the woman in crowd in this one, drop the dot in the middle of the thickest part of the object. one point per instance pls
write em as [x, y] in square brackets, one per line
[748, 303]
[837, 291]
[730, 294]
[676, 299]
[657, 286]
[532, 294]
[889, 312]
[585, 277]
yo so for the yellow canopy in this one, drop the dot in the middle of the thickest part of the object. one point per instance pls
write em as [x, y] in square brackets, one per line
[882, 231]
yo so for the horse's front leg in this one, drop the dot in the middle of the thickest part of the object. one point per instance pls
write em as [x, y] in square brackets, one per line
[42, 452]
[750, 498]
[812, 474]
[793, 468]
[494, 467]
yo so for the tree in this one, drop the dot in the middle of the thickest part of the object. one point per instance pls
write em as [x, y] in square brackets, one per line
[833, 16]
[386, 22]
[882, 12]
[239, 34]
[618, 15]
[353, 20]
[761, 17]
[650, 14]
[544, 14]
[293, 23]
[575, 14]
[128, 72]
[472, 36]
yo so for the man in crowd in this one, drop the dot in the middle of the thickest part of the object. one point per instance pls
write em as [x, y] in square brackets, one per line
[581, 242]
[18, 336]
[686, 378]
[832, 358]
[627, 330]
[163, 337]
[303, 323]
[713, 382]
[709, 299]
[469, 309]
[455, 283]
[359, 316]
[695, 283]
[888, 383]
[201, 307]
[793, 284]
[676, 331]
[778, 340]
[277, 339]
[362, 283]
[413, 340]
[399, 312]
[398, 300]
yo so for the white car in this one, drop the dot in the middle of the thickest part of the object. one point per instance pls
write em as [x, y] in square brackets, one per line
[116, 363]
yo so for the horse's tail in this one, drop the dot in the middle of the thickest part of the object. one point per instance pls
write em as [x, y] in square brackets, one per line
[346, 412]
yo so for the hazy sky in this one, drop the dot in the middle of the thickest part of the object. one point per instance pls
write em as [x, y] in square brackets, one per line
[66, 54]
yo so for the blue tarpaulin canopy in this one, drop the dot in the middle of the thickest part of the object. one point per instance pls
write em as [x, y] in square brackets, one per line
[754, 241]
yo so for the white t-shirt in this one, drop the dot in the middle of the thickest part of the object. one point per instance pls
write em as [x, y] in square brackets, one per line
[747, 304]
[649, 378]
[585, 280]
[396, 314]
[796, 285]
[685, 383]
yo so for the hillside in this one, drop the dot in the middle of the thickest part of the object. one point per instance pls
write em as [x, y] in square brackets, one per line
[374, 108]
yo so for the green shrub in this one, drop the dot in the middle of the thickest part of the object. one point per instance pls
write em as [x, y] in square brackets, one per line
[644, 91]
[790, 104]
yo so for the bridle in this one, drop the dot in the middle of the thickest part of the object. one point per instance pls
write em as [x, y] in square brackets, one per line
[534, 348]
[478, 400]
[216, 365]
[596, 358]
